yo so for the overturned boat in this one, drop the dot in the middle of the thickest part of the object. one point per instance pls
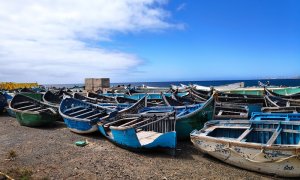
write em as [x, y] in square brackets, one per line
[265, 146]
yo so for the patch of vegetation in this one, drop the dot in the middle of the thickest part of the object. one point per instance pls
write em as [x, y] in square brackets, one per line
[22, 174]
[12, 155]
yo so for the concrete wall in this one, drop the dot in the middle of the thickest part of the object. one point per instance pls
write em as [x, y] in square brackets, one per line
[95, 84]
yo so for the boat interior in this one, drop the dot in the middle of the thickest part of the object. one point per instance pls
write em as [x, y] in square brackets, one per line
[268, 133]
[147, 127]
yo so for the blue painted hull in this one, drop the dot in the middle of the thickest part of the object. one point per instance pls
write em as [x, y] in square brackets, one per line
[128, 139]
[81, 117]
[275, 116]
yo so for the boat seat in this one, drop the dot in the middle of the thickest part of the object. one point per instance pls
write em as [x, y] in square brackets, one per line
[34, 109]
[88, 112]
[74, 108]
[75, 112]
[146, 137]
[25, 107]
[94, 115]
[24, 102]
[130, 122]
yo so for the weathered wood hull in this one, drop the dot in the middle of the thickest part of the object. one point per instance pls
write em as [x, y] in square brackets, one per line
[265, 146]
[283, 163]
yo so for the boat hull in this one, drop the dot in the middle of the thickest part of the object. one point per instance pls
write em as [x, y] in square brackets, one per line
[80, 127]
[35, 119]
[185, 125]
[278, 162]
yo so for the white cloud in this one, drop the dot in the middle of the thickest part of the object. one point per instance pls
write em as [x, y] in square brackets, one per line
[53, 41]
[181, 7]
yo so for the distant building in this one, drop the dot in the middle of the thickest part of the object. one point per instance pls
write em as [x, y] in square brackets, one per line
[97, 84]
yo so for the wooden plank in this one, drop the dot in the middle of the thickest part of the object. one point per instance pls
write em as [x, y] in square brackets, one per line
[245, 133]
[83, 114]
[25, 107]
[273, 137]
[94, 115]
[82, 110]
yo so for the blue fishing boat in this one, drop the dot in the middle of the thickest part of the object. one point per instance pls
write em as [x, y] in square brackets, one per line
[8, 98]
[141, 132]
[82, 117]
[258, 116]
[265, 146]
[188, 117]
[3, 102]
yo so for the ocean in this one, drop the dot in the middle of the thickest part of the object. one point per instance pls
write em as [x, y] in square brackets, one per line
[274, 82]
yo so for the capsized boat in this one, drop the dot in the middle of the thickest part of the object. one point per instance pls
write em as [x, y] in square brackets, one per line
[188, 117]
[265, 146]
[31, 112]
[141, 131]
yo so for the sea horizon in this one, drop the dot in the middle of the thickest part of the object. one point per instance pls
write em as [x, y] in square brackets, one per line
[248, 83]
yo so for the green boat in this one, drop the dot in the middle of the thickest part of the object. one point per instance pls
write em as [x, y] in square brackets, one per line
[188, 118]
[260, 90]
[34, 95]
[33, 113]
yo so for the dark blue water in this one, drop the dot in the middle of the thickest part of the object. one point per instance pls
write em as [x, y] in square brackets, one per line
[275, 82]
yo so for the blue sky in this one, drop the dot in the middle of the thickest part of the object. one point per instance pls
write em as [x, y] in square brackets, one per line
[231, 39]
[149, 40]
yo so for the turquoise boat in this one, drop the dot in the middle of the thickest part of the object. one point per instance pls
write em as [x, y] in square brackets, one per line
[138, 132]
[261, 90]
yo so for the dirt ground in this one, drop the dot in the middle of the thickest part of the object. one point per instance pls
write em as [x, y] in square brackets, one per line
[50, 153]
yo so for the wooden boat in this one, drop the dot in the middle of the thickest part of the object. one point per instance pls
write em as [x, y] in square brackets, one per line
[175, 100]
[189, 117]
[290, 109]
[141, 132]
[292, 96]
[82, 97]
[265, 146]
[273, 101]
[3, 102]
[31, 112]
[239, 98]
[101, 98]
[226, 111]
[258, 116]
[55, 97]
[8, 98]
[261, 90]
[220, 88]
[81, 117]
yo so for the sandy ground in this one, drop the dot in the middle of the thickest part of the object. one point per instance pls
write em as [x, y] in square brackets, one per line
[50, 153]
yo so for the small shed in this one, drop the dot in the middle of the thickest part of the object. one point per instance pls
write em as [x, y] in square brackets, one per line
[96, 84]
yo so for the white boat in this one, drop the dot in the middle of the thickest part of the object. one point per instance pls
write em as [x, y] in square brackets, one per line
[265, 146]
